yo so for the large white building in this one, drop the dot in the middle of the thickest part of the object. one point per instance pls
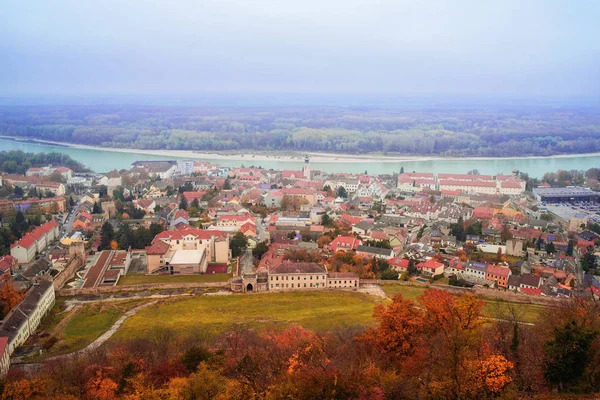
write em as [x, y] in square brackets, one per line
[464, 183]
[34, 242]
[22, 321]
[289, 275]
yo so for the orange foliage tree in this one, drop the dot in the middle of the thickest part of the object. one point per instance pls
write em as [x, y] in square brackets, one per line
[10, 296]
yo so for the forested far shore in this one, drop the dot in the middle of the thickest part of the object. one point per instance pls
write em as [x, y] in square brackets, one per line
[443, 132]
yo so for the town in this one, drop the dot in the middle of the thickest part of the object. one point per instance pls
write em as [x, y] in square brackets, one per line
[192, 225]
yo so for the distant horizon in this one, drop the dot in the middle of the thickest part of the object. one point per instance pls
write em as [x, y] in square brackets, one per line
[266, 99]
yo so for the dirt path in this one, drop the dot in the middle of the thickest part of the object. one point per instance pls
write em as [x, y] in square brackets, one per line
[373, 290]
[112, 330]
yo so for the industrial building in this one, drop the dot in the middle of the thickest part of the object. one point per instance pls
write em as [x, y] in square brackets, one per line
[566, 194]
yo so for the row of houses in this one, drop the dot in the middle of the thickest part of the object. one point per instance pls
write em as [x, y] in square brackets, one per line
[22, 321]
[34, 242]
[34, 182]
[34, 205]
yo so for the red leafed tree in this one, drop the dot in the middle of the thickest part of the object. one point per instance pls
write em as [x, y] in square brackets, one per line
[10, 296]
[400, 324]
[101, 386]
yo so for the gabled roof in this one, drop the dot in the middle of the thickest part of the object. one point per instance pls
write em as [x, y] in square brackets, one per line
[288, 267]
[399, 262]
[26, 242]
[430, 264]
[157, 248]
[498, 270]
[374, 250]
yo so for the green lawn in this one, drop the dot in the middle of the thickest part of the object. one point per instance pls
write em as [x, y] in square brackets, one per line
[212, 315]
[524, 312]
[87, 324]
[493, 308]
[408, 292]
[141, 279]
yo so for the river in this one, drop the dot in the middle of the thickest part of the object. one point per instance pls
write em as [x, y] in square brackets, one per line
[106, 160]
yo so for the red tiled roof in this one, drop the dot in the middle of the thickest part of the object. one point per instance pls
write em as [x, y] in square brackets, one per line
[181, 214]
[531, 291]
[465, 177]
[345, 242]
[510, 185]
[157, 247]
[3, 344]
[430, 264]
[26, 241]
[483, 212]
[498, 270]
[247, 227]
[453, 182]
[418, 174]
[239, 217]
[297, 191]
[399, 262]
[191, 196]
[187, 230]
[290, 174]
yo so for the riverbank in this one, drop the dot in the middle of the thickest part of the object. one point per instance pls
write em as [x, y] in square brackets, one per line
[289, 156]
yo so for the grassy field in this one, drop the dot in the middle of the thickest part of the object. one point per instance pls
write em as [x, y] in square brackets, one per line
[408, 292]
[318, 311]
[141, 279]
[493, 308]
[524, 312]
[77, 329]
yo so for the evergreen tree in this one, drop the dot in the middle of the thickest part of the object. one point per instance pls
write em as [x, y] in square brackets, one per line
[238, 244]
[155, 229]
[18, 191]
[570, 247]
[183, 204]
[260, 249]
[107, 235]
[568, 355]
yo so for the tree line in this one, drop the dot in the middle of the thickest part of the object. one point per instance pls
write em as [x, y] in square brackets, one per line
[17, 161]
[439, 346]
[449, 132]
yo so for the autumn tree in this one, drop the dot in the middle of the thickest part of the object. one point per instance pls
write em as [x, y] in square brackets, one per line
[451, 325]
[10, 296]
[399, 329]
[101, 386]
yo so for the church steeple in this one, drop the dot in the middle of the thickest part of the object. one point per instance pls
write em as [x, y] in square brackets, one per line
[306, 168]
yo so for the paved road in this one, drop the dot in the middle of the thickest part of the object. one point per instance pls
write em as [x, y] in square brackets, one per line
[68, 224]
[261, 232]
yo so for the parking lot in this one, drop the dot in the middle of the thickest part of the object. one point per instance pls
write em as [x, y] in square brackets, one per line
[576, 209]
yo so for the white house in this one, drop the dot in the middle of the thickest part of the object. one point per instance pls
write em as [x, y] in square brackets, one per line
[22, 321]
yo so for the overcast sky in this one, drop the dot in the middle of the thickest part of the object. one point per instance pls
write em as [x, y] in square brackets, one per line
[489, 48]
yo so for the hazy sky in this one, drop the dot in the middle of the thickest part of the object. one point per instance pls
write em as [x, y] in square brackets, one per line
[502, 47]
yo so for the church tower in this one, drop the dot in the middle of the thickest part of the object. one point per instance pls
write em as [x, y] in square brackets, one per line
[306, 168]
